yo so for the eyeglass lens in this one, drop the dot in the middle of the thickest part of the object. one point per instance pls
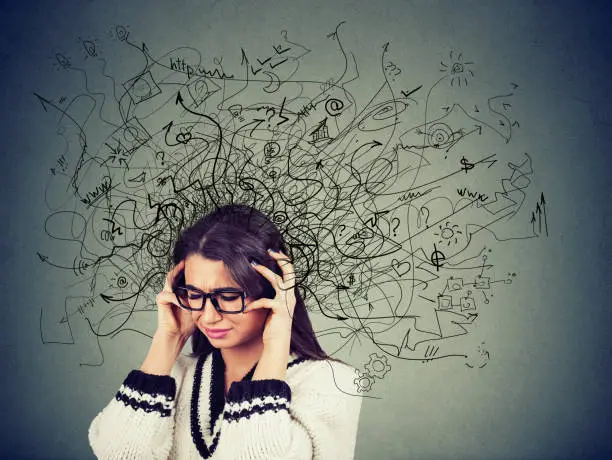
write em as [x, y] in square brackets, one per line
[229, 301]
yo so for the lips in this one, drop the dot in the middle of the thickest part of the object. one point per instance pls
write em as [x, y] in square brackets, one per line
[216, 333]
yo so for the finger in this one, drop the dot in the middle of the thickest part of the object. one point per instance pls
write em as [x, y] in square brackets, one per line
[275, 279]
[171, 275]
[259, 304]
[268, 304]
[168, 299]
[285, 264]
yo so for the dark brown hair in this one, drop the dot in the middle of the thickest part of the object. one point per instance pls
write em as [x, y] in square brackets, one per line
[236, 234]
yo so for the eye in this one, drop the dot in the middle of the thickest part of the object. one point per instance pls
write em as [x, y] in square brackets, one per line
[194, 295]
[229, 296]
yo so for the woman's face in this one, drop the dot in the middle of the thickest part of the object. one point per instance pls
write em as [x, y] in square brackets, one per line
[222, 330]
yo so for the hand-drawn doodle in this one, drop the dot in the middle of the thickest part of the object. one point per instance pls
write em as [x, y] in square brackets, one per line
[142, 87]
[378, 366]
[363, 381]
[460, 71]
[390, 201]
[481, 359]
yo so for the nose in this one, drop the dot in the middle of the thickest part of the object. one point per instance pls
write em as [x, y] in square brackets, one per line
[208, 314]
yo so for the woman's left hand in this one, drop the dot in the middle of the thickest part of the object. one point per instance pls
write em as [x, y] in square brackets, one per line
[277, 327]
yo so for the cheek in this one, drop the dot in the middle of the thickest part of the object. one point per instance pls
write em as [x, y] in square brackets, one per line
[253, 321]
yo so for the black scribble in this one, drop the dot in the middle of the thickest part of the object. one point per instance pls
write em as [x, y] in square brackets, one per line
[390, 199]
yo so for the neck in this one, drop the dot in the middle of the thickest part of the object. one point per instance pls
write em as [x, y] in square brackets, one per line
[239, 360]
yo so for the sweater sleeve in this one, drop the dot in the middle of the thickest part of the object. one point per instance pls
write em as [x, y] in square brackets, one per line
[139, 421]
[316, 420]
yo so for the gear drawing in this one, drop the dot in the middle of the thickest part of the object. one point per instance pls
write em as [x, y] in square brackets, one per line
[378, 366]
[364, 381]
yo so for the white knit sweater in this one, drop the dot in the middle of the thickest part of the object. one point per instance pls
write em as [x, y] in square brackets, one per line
[313, 414]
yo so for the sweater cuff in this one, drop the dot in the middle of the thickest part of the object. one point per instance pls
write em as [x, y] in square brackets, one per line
[151, 393]
[248, 397]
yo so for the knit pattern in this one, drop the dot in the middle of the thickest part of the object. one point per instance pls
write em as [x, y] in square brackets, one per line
[148, 393]
[247, 398]
[311, 415]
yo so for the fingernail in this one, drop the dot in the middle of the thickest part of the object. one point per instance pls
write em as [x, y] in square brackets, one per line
[272, 250]
[254, 263]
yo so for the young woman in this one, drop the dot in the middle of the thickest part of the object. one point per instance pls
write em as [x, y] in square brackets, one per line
[257, 384]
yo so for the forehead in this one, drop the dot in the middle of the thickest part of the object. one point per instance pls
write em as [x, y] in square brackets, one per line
[207, 274]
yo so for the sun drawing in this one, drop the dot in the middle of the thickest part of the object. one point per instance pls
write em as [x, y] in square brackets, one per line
[458, 70]
[448, 233]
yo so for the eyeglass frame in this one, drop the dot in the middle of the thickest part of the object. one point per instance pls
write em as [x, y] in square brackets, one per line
[213, 300]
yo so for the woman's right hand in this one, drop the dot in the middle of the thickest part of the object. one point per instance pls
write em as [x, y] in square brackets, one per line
[173, 320]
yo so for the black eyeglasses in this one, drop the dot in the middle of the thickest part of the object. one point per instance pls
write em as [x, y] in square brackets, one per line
[226, 300]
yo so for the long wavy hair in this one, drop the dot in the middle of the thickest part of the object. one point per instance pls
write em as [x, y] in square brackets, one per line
[236, 234]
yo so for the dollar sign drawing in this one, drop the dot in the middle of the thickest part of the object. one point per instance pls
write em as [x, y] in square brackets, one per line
[437, 258]
[351, 278]
[466, 165]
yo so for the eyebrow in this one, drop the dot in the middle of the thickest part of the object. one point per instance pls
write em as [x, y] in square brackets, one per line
[191, 286]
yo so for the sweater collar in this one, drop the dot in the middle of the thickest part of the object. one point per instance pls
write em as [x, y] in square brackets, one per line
[216, 397]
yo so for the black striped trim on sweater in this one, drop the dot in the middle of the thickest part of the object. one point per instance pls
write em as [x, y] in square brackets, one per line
[256, 397]
[246, 388]
[145, 406]
[296, 361]
[246, 398]
[258, 409]
[150, 393]
[218, 372]
[244, 391]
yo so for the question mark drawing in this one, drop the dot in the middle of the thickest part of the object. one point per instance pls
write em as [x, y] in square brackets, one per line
[396, 225]
[342, 227]
[423, 210]
[200, 88]
[273, 112]
[158, 154]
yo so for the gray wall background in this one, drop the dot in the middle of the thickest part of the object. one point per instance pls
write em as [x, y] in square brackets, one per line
[545, 392]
